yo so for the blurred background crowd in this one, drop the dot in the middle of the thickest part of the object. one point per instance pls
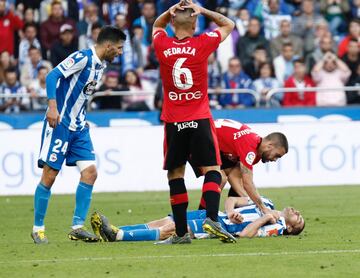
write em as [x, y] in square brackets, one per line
[276, 44]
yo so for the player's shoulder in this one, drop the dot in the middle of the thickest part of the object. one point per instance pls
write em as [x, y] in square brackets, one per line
[75, 59]
[210, 35]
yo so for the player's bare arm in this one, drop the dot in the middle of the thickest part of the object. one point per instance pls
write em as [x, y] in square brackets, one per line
[252, 229]
[52, 115]
[230, 204]
[254, 195]
[165, 18]
[225, 25]
[235, 180]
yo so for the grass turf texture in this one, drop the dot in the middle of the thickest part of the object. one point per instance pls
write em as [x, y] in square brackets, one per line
[329, 246]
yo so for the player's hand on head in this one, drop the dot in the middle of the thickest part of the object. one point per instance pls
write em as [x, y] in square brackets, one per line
[235, 217]
[190, 5]
[178, 6]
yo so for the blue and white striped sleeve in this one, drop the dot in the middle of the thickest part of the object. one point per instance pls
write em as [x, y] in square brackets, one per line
[72, 64]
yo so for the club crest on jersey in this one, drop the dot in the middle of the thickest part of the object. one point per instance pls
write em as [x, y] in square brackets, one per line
[212, 34]
[89, 88]
[185, 125]
[53, 157]
[68, 63]
[250, 157]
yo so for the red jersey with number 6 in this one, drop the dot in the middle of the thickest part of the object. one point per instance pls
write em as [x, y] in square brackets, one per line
[237, 142]
[183, 70]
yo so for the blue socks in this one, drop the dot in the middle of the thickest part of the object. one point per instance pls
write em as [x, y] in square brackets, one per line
[41, 200]
[83, 200]
[134, 227]
[140, 235]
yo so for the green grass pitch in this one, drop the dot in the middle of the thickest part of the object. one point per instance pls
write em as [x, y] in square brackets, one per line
[329, 246]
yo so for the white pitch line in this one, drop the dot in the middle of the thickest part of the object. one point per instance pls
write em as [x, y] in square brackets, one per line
[314, 252]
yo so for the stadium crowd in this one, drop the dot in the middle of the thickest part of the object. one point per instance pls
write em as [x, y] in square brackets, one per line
[276, 44]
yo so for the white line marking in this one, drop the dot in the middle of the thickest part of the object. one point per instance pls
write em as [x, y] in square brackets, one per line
[314, 252]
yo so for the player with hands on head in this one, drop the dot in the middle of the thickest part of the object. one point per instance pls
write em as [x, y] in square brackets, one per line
[189, 127]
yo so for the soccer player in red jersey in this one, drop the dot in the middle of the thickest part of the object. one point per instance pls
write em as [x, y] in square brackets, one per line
[189, 128]
[240, 149]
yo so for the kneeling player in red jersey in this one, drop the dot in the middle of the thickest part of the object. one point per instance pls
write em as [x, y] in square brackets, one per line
[189, 128]
[240, 149]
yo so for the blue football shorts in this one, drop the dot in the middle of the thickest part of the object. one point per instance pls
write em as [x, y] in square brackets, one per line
[60, 143]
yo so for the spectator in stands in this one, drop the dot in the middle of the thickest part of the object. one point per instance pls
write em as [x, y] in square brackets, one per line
[135, 102]
[30, 69]
[242, 21]
[355, 8]
[354, 33]
[140, 50]
[214, 79]
[283, 64]
[304, 25]
[331, 72]
[312, 41]
[9, 87]
[85, 26]
[30, 33]
[37, 90]
[50, 29]
[252, 67]
[326, 45]
[352, 57]
[334, 12]
[227, 49]
[272, 16]
[29, 17]
[6, 61]
[126, 61]
[247, 44]
[286, 37]
[353, 97]
[236, 78]
[299, 80]
[111, 84]
[88, 42]
[116, 7]
[63, 48]
[9, 24]
[265, 83]
[146, 20]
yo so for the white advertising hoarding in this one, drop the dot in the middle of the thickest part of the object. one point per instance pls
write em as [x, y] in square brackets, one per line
[130, 159]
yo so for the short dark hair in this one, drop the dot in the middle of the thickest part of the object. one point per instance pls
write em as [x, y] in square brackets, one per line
[32, 47]
[260, 47]
[294, 231]
[96, 25]
[10, 70]
[29, 24]
[110, 33]
[279, 139]
[287, 44]
[299, 61]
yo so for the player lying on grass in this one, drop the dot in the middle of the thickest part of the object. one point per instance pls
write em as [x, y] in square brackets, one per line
[243, 219]
[240, 149]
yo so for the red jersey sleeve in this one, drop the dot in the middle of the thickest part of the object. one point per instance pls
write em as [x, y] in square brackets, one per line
[158, 38]
[210, 41]
[246, 150]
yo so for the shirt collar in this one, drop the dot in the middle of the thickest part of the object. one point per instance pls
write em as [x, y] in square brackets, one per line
[97, 59]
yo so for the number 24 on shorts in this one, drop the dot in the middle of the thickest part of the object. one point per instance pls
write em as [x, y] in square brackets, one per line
[60, 147]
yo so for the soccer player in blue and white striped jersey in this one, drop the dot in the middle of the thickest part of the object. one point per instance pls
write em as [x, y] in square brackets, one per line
[65, 134]
[243, 219]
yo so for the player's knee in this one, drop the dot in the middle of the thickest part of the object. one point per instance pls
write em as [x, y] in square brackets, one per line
[48, 176]
[177, 173]
[89, 174]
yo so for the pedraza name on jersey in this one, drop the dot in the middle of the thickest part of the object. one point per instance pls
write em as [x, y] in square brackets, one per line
[179, 50]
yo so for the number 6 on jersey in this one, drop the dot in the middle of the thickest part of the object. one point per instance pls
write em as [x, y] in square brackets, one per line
[178, 71]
